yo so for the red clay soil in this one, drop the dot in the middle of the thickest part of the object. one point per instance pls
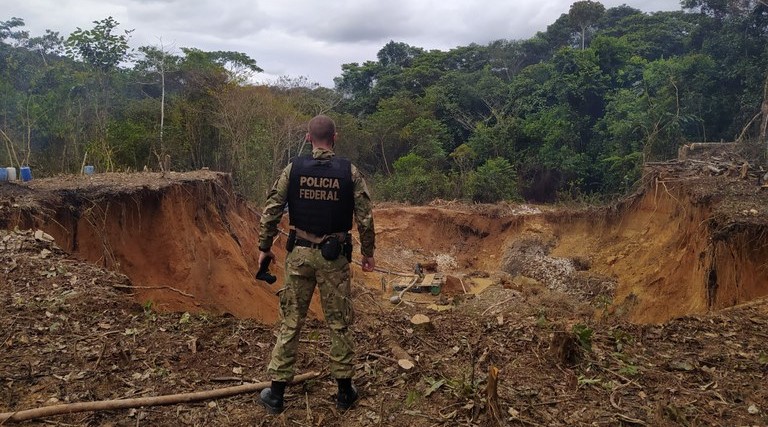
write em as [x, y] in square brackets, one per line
[186, 242]
[607, 315]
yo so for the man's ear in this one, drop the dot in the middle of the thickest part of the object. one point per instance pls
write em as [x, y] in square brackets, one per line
[308, 138]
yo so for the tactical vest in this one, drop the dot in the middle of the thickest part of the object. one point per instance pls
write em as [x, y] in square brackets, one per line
[321, 195]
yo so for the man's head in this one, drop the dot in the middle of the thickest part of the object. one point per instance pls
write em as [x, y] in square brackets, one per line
[321, 131]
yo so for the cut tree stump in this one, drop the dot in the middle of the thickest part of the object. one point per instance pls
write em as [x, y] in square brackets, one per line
[564, 348]
[422, 323]
[492, 394]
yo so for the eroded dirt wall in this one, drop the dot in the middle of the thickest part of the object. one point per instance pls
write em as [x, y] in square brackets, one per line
[669, 257]
[188, 246]
[666, 254]
[656, 248]
[191, 245]
[407, 235]
[739, 269]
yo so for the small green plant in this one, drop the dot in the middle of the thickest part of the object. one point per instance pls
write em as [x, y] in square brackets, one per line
[149, 314]
[629, 370]
[461, 387]
[621, 338]
[583, 335]
[185, 318]
[588, 381]
[603, 302]
[433, 385]
[763, 358]
[313, 336]
[412, 397]
[541, 318]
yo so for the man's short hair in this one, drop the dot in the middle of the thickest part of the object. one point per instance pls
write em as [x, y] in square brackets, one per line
[322, 128]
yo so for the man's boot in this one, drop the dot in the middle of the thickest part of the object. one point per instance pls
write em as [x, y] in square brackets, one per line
[347, 393]
[272, 397]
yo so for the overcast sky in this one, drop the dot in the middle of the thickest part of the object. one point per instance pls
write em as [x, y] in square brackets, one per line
[305, 37]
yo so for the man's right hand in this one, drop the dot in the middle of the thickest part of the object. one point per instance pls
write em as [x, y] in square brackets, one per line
[368, 263]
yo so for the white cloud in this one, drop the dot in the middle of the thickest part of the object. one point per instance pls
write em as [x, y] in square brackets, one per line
[305, 37]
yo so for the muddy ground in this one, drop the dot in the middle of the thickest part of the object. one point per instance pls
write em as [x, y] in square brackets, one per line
[651, 311]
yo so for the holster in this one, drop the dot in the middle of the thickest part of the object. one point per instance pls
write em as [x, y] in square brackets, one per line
[348, 247]
[291, 242]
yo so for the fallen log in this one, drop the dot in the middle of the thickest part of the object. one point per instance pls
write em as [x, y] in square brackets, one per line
[171, 399]
[404, 359]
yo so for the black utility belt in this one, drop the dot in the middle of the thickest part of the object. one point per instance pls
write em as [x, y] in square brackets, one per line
[331, 247]
[308, 244]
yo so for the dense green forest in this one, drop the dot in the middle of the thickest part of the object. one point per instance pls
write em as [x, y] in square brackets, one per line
[570, 113]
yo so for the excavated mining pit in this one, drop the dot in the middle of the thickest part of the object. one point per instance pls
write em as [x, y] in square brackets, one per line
[188, 243]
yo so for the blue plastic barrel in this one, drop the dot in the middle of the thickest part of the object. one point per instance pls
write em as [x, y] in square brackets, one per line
[3, 174]
[26, 173]
[88, 170]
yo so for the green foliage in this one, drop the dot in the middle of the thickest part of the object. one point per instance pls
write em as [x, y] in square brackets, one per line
[629, 370]
[99, 47]
[583, 335]
[572, 112]
[414, 181]
[493, 181]
[585, 13]
[149, 313]
[582, 380]
[622, 338]
[434, 385]
[426, 137]
[412, 398]
[621, 172]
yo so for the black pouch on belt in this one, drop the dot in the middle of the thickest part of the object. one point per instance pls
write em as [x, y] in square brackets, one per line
[331, 248]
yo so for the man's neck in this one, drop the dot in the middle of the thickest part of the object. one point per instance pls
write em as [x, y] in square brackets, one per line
[323, 145]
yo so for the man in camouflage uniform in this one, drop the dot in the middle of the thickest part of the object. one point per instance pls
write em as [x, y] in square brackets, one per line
[322, 193]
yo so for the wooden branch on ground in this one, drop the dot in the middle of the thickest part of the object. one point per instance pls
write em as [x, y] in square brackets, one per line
[154, 288]
[108, 405]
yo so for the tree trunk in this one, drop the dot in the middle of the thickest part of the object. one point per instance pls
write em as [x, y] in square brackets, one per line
[764, 112]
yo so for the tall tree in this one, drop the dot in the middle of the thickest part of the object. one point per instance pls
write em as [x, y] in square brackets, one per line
[103, 51]
[159, 61]
[584, 14]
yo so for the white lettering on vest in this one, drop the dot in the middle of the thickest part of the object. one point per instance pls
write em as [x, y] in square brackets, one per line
[319, 188]
[305, 193]
[319, 182]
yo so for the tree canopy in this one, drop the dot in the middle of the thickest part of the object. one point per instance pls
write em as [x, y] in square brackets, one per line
[572, 111]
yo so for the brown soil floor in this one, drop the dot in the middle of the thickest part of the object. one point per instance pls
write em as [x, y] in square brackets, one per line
[649, 312]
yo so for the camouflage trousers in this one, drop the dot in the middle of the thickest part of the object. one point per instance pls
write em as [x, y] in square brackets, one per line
[304, 269]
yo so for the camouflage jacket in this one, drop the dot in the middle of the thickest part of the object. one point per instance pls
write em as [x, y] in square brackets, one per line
[278, 198]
